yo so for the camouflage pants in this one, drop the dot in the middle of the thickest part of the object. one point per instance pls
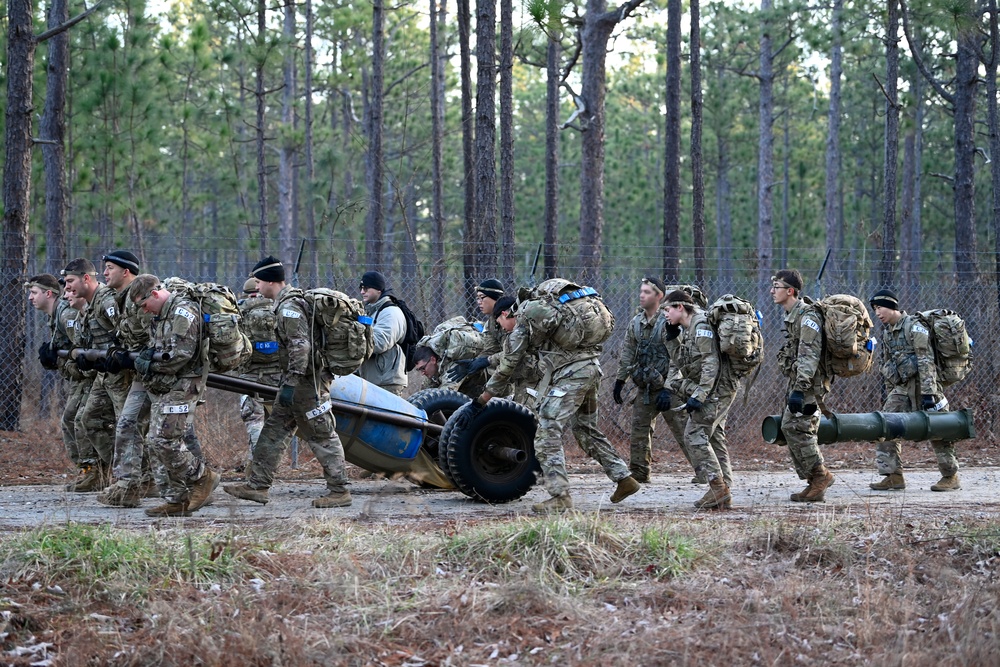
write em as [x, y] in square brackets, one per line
[171, 418]
[705, 433]
[131, 455]
[572, 401]
[253, 413]
[643, 425]
[95, 423]
[800, 434]
[887, 459]
[76, 398]
[310, 413]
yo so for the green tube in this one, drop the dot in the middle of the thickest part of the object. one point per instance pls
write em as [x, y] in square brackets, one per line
[878, 426]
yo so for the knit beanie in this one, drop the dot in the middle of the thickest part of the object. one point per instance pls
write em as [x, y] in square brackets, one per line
[374, 280]
[491, 287]
[124, 259]
[269, 269]
[885, 298]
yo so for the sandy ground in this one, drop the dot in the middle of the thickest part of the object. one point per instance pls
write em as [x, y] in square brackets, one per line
[756, 494]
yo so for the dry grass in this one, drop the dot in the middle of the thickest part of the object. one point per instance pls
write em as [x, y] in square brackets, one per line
[580, 590]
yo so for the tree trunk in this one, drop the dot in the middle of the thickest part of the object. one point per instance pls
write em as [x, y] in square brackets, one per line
[53, 129]
[765, 158]
[507, 139]
[723, 209]
[437, 161]
[289, 242]
[993, 117]
[486, 166]
[311, 249]
[832, 164]
[672, 147]
[469, 238]
[697, 162]
[891, 152]
[375, 221]
[966, 82]
[918, 178]
[262, 225]
[551, 251]
[909, 277]
[786, 176]
[16, 202]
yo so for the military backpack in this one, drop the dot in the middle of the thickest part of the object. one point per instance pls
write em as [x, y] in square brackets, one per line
[951, 343]
[847, 341]
[226, 347]
[258, 323]
[456, 339]
[574, 316]
[341, 331]
[737, 328]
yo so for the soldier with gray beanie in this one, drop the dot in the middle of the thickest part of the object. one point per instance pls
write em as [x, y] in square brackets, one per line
[387, 365]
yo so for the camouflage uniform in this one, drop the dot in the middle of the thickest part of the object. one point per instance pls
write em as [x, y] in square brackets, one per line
[452, 341]
[258, 322]
[107, 393]
[310, 410]
[174, 388]
[698, 371]
[64, 337]
[801, 361]
[493, 338]
[645, 358]
[570, 386]
[910, 372]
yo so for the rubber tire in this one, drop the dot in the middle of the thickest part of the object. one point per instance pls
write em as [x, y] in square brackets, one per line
[440, 405]
[480, 475]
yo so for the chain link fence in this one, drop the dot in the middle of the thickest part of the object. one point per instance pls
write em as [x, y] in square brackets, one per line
[436, 291]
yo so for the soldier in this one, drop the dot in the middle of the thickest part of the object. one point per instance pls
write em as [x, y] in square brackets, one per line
[525, 377]
[569, 399]
[174, 387]
[258, 321]
[96, 421]
[487, 294]
[645, 359]
[45, 296]
[79, 382]
[911, 378]
[451, 342]
[303, 401]
[801, 361]
[387, 365]
[702, 378]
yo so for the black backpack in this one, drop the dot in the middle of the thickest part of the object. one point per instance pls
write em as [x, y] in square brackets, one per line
[414, 329]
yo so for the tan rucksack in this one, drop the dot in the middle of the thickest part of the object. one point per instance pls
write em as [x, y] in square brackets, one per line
[227, 346]
[847, 341]
[574, 316]
[737, 328]
[456, 339]
[951, 343]
[341, 331]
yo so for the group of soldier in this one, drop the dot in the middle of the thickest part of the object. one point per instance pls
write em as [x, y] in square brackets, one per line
[128, 424]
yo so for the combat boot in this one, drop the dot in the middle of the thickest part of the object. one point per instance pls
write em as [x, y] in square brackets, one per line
[717, 496]
[246, 493]
[333, 499]
[169, 509]
[149, 489]
[122, 493]
[202, 489]
[555, 504]
[699, 479]
[96, 479]
[626, 487]
[893, 482]
[947, 483]
[81, 473]
[820, 480]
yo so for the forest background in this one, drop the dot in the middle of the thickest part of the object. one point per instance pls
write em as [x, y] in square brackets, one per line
[444, 143]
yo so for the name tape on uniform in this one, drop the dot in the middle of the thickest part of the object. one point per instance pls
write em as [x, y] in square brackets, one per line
[294, 314]
[186, 314]
[919, 328]
[811, 324]
[316, 412]
[176, 409]
[704, 333]
[110, 311]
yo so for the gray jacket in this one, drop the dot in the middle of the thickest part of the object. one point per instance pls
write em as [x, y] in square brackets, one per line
[387, 365]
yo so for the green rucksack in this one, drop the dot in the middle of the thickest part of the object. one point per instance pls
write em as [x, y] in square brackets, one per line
[847, 341]
[951, 343]
[456, 339]
[258, 323]
[574, 316]
[226, 346]
[341, 331]
[737, 328]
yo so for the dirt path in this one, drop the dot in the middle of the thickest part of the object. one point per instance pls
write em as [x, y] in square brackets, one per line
[758, 494]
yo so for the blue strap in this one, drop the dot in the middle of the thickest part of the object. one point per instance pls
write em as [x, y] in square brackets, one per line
[269, 347]
[578, 294]
[364, 319]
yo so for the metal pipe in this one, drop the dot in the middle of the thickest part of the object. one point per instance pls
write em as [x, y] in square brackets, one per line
[878, 426]
[94, 355]
[508, 453]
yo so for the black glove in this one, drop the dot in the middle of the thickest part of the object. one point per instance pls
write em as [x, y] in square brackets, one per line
[101, 365]
[142, 363]
[619, 385]
[796, 401]
[47, 357]
[118, 360]
[927, 402]
[693, 404]
[809, 409]
[285, 395]
[85, 364]
[673, 331]
[465, 415]
[663, 400]
[463, 369]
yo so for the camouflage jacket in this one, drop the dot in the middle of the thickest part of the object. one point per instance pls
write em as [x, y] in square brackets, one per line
[908, 357]
[292, 332]
[100, 320]
[801, 357]
[133, 323]
[526, 356]
[696, 367]
[645, 356]
[177, 331]
[63, 329]
[493, 338]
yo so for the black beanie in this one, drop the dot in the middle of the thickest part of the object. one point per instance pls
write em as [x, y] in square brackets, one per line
[269, 269]
[885, 298]
[491, 287]
[373, 279]
[504, 303]
[124, 259]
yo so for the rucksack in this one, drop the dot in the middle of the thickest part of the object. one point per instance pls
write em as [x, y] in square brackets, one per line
[341, 331]
[456, 339]
[737, 328]
[414, 329]
[574, 316]
[226, 346]
[951, 343]
[258, 322]
[847, 341]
